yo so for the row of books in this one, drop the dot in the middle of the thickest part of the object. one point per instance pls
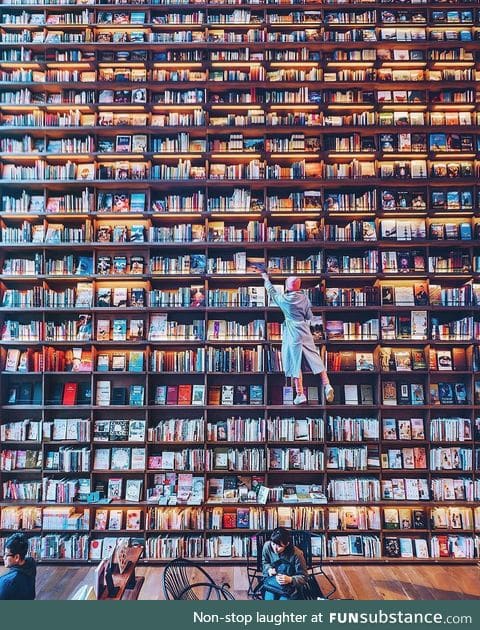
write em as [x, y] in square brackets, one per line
[403, 293]
[251, 231]
[451, 429]
[263, 32]
[241, 16]
[55, 546]
[253, 170]
[241, 429]
[398, 360]
[258, 72]
[201, 118]
[167, 59]
[406, 327]
[70, 459]
[257, 518]
[263, 93]
[109, 393]
[48, 3]
[298, 142]
[243, 200]
[244, 489]
[222, 360]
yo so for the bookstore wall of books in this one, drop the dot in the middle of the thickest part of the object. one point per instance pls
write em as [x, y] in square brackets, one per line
[151, 155]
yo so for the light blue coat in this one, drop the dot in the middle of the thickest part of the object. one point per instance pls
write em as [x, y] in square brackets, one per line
[297, 339]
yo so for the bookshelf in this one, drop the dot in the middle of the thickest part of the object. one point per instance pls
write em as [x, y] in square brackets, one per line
[149, 153]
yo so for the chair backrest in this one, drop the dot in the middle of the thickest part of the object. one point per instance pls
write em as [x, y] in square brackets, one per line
[303, 540]
[177, 576]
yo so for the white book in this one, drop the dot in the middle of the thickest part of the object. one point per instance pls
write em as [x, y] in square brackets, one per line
[96, 546]
[351, 394]
[168, 460]
[115, 520]
[101, 459]
[109, 545]
[404, 296]
[136, 431]
[419, 324]
[103, 393]
[59, 429]
[138, 459]
[421, 548]
[158, 326]
[332, 518]
[224, 546]
[411, 489]
[227, 394]
[406, 548]
[133, 489]
[198, 395]
[389, 228]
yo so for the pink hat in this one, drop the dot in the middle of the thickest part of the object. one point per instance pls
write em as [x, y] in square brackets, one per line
[293, 283]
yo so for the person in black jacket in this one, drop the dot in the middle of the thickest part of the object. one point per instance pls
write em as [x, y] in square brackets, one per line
[284, 567]
[19, 581]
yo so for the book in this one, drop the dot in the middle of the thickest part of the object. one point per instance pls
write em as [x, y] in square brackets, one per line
[198, 395]
[103, 393]
[69, 393]
[172, 394]
[158, 326]
[227, 395]
[351, 394]
[256, 395]
[160, 395]
[389, 393]
[391, 518]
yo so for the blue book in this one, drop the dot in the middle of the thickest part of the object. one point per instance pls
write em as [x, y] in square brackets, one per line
[84, 266]
[135, 361]
[465, 231]
[256, 394]
[136, 395]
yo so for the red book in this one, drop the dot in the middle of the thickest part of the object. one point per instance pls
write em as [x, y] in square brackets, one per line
[185, 394]
[229, 520]
[420, 457]
[459, 359]
[214, 394]
[443, 546]
[70, 393]
[172, 395]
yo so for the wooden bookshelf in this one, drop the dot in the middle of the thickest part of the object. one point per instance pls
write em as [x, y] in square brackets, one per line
[148, 151]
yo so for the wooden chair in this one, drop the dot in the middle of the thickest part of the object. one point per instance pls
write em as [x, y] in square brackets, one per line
[319, 585]
[184, 579]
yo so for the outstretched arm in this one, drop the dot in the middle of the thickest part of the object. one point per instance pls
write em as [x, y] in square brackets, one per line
[273, 294]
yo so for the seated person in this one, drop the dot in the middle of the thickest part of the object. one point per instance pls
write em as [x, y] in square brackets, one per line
[19, 580]
[284, 567]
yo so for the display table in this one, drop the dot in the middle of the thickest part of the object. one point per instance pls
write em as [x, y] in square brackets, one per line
[128, 584]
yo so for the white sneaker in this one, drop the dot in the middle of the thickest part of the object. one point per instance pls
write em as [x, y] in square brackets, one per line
[300, 399]
[329, 393]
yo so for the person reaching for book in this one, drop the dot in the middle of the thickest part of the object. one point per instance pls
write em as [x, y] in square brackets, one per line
[297, 339]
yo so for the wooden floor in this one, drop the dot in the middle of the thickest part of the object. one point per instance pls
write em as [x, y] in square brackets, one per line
[376, 582]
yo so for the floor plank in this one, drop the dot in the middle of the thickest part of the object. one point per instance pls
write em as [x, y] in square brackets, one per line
[367, 582]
